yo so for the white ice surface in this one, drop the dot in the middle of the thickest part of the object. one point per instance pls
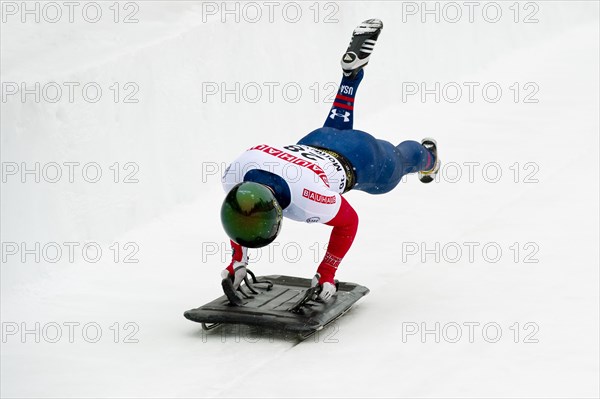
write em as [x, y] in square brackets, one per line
[172, 213]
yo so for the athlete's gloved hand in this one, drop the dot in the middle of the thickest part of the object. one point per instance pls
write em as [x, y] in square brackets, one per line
[234, 274]
[232, 277]
[328, 289]
[236, 271]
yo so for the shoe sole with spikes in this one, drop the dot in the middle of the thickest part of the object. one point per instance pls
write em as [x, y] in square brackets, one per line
[428, 176]
[361, 46]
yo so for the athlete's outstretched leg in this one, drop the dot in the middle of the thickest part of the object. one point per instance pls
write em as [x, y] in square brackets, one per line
[416, 158]
[341, 115]
[377, 166]
[357, 55]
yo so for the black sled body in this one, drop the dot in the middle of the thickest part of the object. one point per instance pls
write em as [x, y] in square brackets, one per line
[280, 303]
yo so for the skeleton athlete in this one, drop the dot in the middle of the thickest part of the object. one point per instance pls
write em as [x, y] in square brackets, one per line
[306, 181]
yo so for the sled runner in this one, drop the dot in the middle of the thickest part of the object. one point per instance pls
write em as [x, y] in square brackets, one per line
[279, 302]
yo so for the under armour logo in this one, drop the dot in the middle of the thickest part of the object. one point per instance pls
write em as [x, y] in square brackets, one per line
[345, 115]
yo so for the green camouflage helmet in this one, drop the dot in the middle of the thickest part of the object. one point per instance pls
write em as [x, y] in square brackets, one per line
[250, 214]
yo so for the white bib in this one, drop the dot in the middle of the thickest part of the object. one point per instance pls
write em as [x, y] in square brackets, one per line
[316, 179]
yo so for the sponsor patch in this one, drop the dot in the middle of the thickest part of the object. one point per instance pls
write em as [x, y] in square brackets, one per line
[322, 199]
[295, 160]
